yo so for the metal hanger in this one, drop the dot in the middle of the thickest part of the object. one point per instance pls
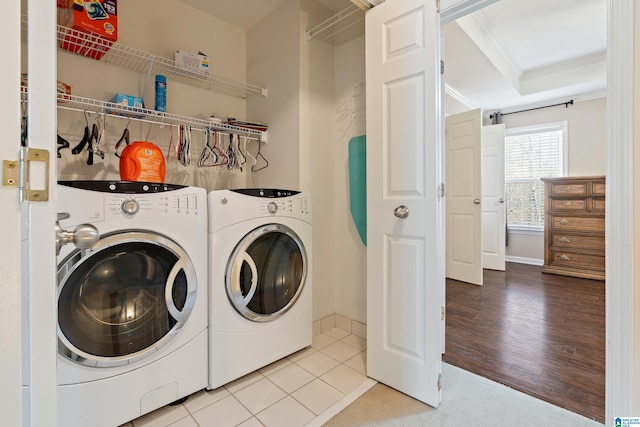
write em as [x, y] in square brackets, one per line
[172, 151]
[260, 156]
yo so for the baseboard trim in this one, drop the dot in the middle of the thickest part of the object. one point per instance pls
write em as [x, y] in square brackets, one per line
[339, 321]
[523, 260]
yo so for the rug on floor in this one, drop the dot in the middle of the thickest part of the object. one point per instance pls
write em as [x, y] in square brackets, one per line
[467, 400]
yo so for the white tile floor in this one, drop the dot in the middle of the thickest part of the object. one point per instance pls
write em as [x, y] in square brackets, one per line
[302, 389]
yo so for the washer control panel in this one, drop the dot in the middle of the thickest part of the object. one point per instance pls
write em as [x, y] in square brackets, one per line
[181, 204]
[143, 200]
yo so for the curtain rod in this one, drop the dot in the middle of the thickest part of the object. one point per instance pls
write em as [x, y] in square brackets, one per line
[566, 105]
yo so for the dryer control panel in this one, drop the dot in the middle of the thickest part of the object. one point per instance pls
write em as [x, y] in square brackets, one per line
[228, 207]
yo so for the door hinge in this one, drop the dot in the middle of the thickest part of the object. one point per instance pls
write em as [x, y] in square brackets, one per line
[18, 174]
[438, 6]
[441, 190]
[439, 382]
[442, 312]
[441, 66]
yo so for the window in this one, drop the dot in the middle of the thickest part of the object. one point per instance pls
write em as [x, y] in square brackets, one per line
[532, 153]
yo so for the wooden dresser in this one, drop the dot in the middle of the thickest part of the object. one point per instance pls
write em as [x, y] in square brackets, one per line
[574, 226]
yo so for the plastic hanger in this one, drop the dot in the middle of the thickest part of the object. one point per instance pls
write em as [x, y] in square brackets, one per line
[62, 143]
[254, 160]
[184, 148]
[124, 138]
[85, 138]
[97, 148]
[208, 157]
[241, 159]
[212, 155]
[231, 155]
[94, 135]
[24, 122]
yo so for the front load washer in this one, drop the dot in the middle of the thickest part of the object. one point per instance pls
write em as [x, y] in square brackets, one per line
[132, 308]
[260, 279]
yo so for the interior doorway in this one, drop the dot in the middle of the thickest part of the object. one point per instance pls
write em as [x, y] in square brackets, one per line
[559, 277]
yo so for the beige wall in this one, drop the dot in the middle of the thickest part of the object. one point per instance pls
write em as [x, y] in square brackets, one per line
[350, 254]
[587, 155]
[299, 111]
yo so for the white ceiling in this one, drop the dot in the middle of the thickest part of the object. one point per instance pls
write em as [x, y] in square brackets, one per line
[508, 55]
[517, 53]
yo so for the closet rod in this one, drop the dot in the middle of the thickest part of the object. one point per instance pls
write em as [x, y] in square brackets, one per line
[566, 105]
[77, 103]
[202, 126]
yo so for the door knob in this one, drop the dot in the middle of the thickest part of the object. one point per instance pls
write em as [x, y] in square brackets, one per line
[84, 236]
[401, 211]
[476, 201]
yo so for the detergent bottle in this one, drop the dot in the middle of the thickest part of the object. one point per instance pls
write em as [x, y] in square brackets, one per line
[142, 161]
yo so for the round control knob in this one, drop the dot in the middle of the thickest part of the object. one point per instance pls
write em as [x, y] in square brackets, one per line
[130, 207]
[272, 207]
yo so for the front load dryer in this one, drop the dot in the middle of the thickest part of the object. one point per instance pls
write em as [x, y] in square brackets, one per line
[260, 279]
[132, 308]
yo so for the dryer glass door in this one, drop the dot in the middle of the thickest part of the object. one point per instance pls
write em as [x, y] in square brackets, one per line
[266, 272]
[122, 299]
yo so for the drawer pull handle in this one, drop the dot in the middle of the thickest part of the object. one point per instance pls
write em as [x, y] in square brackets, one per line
[565, 221]
[569, 203]
[564, 239]
[564, 258]
[568, 188]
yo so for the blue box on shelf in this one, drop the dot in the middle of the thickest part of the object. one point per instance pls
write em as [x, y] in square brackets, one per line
[134, 104]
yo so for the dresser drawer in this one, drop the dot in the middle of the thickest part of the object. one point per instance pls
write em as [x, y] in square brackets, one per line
[570, 240]
[575, 259]
[568, 204]
[568, 222]
[598, 204]
[598, 188]
[577, 188]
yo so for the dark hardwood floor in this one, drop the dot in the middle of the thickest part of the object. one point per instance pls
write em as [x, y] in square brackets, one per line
[542, 334]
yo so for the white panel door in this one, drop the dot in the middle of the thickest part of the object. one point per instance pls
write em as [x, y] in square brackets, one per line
[40, 253]
[404, 280]
[464, 194]
[10, 295]
[493, 211]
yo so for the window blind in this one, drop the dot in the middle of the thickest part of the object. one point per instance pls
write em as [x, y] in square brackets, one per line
[529, 156]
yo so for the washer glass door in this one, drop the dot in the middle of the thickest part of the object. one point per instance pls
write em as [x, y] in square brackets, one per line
[266, 272]
[123, 298]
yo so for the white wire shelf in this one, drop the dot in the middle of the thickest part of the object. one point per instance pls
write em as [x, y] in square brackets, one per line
[96, 47]
[341, 27]
[78, 103]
